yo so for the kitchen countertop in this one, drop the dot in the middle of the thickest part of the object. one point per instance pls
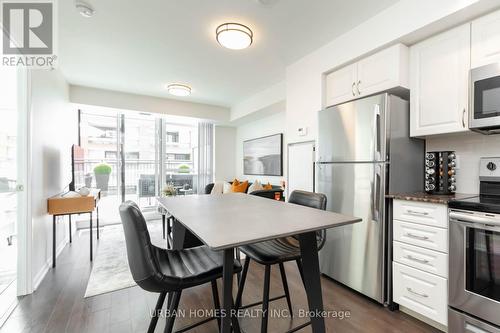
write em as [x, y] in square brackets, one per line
[432, 198]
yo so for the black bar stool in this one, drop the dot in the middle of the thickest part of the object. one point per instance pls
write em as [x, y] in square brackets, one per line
[277, 252]
[168, 271]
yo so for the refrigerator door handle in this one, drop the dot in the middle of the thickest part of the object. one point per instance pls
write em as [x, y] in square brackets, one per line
[375, 194]
[377, 132]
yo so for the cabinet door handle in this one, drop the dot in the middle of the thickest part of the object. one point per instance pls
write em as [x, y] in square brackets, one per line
[463, 118]
[352, 88]
[357, 87]
[423, 261]
[413, 212]
[415, 293]
[416, 236]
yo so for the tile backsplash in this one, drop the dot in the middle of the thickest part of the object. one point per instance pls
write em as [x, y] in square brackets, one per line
[470, 147]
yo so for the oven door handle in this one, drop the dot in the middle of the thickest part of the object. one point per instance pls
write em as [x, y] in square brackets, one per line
[482, 226]
[470, 218]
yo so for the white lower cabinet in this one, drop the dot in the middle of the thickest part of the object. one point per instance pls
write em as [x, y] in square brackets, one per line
[420, 258]
[421, 235]
[421, 292]
[417, 257]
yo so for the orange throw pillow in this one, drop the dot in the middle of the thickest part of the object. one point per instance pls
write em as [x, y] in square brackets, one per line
[239, 187]
[268, 187]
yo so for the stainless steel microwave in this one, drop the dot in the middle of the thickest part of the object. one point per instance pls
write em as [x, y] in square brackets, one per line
[485, 102]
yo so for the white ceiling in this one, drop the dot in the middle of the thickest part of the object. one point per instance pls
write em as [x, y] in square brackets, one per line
[139, 46]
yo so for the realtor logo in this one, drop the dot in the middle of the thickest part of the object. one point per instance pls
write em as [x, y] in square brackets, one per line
[28, 33]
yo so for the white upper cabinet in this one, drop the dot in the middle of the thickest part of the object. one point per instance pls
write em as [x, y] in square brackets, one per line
[379, 72]
[486, 40]
[341, 85]
[439, 81]
[383, 70]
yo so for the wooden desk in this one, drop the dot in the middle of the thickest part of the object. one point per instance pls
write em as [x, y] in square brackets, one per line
[224, 222]
[59, 206]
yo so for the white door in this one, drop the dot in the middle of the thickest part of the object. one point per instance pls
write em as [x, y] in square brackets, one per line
[13, 203]
[486, 40]
[300, 167]
[439, 71]
[383, 70]
[341, 85]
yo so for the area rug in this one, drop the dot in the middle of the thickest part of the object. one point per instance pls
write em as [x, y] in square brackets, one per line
[110, 271]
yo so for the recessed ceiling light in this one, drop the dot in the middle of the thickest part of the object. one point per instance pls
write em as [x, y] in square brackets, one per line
[234, 36]
[85, 9]
[177, 89]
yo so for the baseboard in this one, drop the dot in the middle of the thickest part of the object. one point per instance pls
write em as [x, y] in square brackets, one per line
[426, 320]
[48, 265]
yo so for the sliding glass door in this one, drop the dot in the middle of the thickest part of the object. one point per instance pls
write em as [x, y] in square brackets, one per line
[100, 137]
[143, 153]
[139, 165]
[180, 147]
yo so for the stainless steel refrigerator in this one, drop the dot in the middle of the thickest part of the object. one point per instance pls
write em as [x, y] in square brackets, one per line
[364, 153]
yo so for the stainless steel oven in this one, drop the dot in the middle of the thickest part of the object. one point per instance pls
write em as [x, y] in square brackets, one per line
[474, 265]
[485, 102]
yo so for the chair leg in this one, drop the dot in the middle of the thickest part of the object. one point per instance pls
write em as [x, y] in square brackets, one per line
[174, 304]
[235, 322]
[170, 220]
[285, 288]
[215, 295]
[265, 301]
[163, 224]
[159, 305]
[242, 283]
[238, 257]
[301, 270]
[170, 296]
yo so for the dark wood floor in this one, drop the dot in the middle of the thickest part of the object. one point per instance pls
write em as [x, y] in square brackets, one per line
[58, 304]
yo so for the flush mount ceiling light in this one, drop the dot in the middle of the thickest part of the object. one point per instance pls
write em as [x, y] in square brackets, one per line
[234, 36]
[177, 89]
[85, 9]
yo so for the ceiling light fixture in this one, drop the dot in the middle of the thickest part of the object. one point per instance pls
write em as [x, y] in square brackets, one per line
[234, 36]
[177, 89]
[85, 9]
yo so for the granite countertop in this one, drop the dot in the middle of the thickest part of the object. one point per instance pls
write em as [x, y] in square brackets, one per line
[432, 198]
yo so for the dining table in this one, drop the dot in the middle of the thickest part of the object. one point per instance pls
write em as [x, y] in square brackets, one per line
[226, 221]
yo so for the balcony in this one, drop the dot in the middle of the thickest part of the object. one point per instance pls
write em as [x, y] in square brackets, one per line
[140, 184]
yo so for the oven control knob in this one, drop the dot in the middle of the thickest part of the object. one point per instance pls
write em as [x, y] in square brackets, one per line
[491, 166]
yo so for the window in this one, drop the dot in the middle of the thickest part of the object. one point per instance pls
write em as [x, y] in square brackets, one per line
[144, 152]
[132, 155]
[173, 137]
[110, 154]
[179, 157]
[183, 157]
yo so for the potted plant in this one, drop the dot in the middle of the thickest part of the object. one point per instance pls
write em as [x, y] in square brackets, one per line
[101, 173]
[184, 169]
[169, 190]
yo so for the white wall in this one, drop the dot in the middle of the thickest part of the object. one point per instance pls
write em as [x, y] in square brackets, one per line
[270, 96]
[54, 129]
[126, 101]
[272, 124]
[224, 155]
[470, 147]
[304, 79]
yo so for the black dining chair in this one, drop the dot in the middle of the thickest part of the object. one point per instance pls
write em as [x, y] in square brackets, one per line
[277, 252]
[168, 271]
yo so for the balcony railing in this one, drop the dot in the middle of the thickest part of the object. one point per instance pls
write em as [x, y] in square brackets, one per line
[135, 170]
